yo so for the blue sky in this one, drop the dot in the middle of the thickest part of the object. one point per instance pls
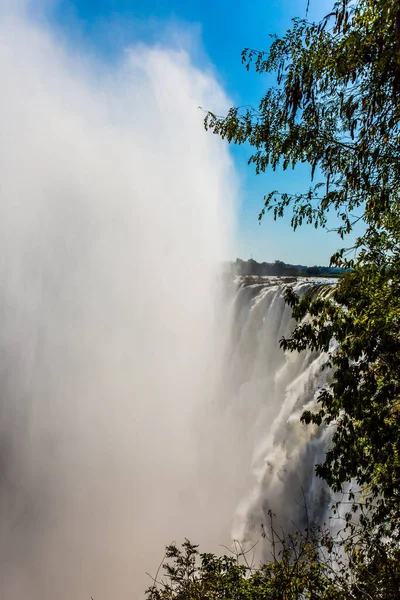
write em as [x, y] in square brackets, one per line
[220, 30]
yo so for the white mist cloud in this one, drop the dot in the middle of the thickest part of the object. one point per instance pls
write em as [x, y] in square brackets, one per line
[115, 212]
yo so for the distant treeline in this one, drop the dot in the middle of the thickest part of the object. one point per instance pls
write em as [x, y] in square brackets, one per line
[252, 267]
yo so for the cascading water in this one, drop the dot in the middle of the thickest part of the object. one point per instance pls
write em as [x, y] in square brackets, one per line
[268, 391]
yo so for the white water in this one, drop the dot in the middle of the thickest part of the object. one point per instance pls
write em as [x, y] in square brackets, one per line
[129, 415]
[266, 390]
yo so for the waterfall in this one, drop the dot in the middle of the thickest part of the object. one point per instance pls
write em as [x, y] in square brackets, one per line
[266, 390]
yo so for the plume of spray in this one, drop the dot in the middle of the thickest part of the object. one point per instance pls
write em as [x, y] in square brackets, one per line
[115, 214]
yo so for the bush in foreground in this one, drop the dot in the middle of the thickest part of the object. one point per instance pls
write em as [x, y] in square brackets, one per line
[308, 565]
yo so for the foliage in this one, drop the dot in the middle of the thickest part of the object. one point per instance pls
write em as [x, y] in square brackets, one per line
[363, 317]
[335, 106]
[307, 565]
[295, 571]
[279, 268]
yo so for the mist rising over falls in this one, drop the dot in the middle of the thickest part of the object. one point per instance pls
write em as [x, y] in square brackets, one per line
[140, 401]
[111, 238]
